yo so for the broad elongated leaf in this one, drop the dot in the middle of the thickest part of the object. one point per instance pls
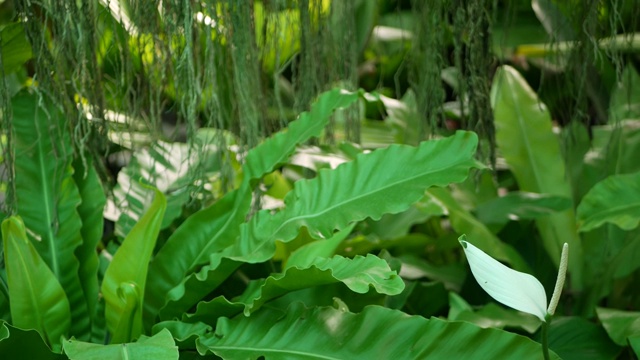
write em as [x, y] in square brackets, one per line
[359, 274]
[619, 324]
[512, 288]
[525, 137]
[36, 298]
[384, 181]
[124, 281]
[160, 346]
[47, 196]
[464, 222]
[375, 333]
[90, 210]
[216, 227]
[614, 200]
[16, 343]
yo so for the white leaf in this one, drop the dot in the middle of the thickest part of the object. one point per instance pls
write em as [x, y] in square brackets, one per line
[512, 288]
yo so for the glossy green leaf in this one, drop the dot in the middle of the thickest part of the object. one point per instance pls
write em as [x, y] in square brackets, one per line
[619, 324]
[575, 338]
[16, 343]
[520, 206]
[184, 333]
[384, 181]
[160, 346]
[375, 333]
[463, 222]
[216, 227]
[525, 138]
[512, 288]
[358, 274]
[125, 279]
[90, 210]
[615, 200]
[37, 299]
[306, 254]
[47, 196]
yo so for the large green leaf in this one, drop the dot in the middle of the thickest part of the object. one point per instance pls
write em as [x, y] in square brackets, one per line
[160, 346]
[36, 298]
[15, 49]
[619, 324]
[16, 343]
[46, 195]
[375, 333]
[614, 200]
[575, 338]
[90, 210]
[216, 227]
[525, 138]
[124, 282]
[464, 222]
[384, 181]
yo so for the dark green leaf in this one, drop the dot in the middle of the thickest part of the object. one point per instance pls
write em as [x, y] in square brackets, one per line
[16, 343]
[619, 324]
[376, 333]
[577, 338]
[520, 206]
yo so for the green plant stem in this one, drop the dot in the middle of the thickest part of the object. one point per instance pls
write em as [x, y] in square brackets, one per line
[545, 337]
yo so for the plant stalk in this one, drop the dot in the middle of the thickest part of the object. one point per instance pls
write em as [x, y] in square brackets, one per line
[545, 337]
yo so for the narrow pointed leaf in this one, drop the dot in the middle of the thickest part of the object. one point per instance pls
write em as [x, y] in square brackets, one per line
[37, 299]
[614, 200]
[512, 288]
[90, 211]
[46, 195]
[158, 347]
[124, 281]
[216, 227]
[375, 333]
[525, 137]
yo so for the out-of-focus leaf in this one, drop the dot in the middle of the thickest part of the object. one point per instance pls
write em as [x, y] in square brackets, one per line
[463, 222]
[614, 200]
[14, 46]
[169, 167]
[495, 316]
[160, 346]
[634, 341]
[359, 274]
[376, 332]
[392, 226]
[525, 137]
[515, 289]
[16, 343]
[47, 196]
[574, 338]
[124, 282]
[520, 205]
[198, 237]
[37, 299]
[554, 21]
[619, 324]
[305, 255]
[625, 99]
[90, 210]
